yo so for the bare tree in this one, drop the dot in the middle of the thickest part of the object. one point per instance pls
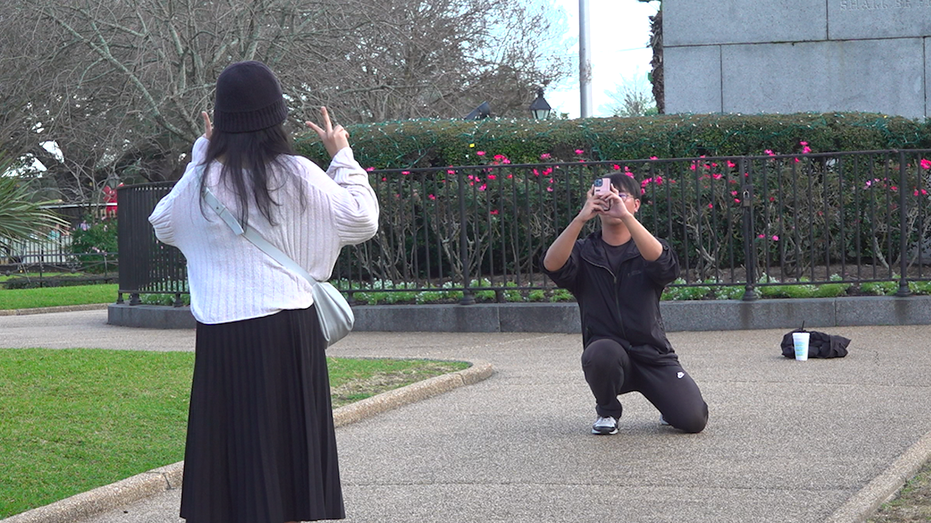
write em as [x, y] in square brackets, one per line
[119, 84]
[632, 98]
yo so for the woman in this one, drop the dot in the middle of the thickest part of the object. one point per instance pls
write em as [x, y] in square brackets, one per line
[261, 445]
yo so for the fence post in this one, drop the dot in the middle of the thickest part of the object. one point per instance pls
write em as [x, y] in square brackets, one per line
[467, 297]
[903, 232]
[746, 203]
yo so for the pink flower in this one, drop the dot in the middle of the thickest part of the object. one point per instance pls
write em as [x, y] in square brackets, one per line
[761, 236]
[536, 172]
[736, 200]
[717, 176]
[925, 164]
[711, 206]
[769, 152]
[731, 164]
[369, 169]
[616, 167]
[579, 151]
[405, 173]
[549, 189]
[384, 179]
[510, 176]
[922, 192]
[545, 156]
[480, 153]
[775, 238]
[491, 177]
[483, 187]
[733, 193]
[493, 211]
[654, 158]
[450, 171]
[628, 173]
[431, 196]
[500, 157]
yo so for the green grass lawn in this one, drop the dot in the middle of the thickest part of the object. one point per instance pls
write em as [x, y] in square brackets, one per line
[77, 419]
[56, 296]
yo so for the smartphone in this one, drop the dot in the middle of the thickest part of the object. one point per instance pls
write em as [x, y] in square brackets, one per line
[602, 186]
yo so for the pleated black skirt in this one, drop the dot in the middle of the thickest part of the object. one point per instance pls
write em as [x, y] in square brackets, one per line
[261, 446]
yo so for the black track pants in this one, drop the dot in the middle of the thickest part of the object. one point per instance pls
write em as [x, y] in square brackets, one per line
[610, 372]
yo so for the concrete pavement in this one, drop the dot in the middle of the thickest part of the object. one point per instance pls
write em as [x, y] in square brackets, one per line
[787, 441]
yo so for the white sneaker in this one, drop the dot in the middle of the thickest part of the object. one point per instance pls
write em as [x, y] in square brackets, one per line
[605, 426]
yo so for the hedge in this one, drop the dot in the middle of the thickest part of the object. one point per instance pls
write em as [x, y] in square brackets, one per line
[439, 143]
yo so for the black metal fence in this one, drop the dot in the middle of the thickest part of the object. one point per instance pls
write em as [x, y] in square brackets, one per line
[47, 254]
[147, 266]
[752, 221]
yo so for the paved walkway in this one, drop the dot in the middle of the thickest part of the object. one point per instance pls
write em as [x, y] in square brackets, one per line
[787, 441]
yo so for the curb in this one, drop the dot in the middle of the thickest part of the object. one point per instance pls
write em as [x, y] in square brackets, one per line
[698, 315]
[62, 308]
[140, 486]
[882, 488]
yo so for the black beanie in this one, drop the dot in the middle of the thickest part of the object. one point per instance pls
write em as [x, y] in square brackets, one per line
[248, 99]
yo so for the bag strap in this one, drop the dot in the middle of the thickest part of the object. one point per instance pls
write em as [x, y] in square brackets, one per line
[250, 234]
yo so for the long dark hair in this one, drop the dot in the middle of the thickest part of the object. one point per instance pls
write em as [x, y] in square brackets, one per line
[249, 154]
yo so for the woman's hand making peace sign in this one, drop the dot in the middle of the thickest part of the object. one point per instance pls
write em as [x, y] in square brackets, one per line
[334, 138]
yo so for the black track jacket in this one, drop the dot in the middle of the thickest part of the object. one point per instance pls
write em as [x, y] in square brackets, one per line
[622, 306]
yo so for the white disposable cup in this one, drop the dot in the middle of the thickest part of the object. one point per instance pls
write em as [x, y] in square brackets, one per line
[800, 340]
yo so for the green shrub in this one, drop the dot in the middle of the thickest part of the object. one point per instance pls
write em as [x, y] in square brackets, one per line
[95, 245]
[879, 288]
[561, 295]
[685, 293]
[430, 143]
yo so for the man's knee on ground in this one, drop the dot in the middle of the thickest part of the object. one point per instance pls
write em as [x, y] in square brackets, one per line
[692, 422]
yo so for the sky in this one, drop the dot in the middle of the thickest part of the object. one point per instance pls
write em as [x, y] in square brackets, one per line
[620, 32]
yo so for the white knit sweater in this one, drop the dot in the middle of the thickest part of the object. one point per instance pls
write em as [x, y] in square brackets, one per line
[230, 279]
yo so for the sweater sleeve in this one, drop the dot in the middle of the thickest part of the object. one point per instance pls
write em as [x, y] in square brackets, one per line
[161, 216]
[356, 209]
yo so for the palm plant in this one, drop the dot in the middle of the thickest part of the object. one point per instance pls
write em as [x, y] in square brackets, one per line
[20, 217]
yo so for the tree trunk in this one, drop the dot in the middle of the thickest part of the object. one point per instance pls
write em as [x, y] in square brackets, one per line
[656, 42]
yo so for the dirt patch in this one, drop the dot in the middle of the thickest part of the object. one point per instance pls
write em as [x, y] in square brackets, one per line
[360, 389]
[912, 504]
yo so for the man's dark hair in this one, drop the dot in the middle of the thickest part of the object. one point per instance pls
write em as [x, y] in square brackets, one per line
[625, 183]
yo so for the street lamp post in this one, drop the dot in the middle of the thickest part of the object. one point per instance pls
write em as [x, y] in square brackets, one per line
[539, 109]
